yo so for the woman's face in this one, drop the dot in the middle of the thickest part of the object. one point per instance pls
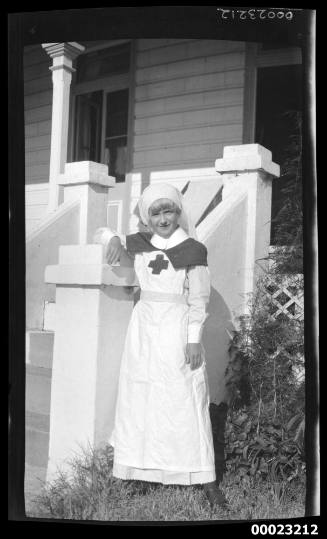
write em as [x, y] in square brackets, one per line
[163, 217]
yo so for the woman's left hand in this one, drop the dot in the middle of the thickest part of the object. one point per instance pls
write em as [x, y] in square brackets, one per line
[194, 355]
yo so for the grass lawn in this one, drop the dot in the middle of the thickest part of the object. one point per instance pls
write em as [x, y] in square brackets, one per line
[93, 493]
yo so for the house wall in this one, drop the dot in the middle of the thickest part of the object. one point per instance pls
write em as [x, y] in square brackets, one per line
[188, 101]
[38, 106]
[36, 200]
[188, 105]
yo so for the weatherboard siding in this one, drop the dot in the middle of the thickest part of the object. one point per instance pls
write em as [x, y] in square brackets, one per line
[188, 101]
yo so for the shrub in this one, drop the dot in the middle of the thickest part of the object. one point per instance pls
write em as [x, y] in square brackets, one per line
[264, 378]
[265, 427]
[276, 453]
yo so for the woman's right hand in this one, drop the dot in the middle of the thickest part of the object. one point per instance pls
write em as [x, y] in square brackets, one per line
[114, 250]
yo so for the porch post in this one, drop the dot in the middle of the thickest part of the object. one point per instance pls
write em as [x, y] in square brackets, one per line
[94, 303]
[63, 55]
[249, 168]
[89, 182]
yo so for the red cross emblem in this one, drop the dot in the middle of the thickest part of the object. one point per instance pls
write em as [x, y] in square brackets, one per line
[158, 264]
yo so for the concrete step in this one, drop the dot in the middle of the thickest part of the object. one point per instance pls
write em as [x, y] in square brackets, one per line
[39, 348]
[34, 481]
[34, 420]
[38, 389]
[36, 447]
[37, 439]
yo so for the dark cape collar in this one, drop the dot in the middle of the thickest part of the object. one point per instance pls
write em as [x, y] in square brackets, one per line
[189, 252]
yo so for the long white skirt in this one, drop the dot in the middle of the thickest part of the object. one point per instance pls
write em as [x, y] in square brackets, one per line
[162, 427]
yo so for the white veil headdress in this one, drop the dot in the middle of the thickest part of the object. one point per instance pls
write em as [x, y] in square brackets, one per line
[164, 190]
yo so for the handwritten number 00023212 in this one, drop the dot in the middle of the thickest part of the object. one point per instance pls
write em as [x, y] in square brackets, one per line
[254, 14]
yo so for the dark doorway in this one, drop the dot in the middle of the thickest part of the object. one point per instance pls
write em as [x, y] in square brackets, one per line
[279, 108]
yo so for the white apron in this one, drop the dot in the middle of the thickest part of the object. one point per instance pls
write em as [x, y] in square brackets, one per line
[162, 427]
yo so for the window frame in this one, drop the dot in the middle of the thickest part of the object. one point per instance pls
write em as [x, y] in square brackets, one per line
[77, 124]
[112, 83]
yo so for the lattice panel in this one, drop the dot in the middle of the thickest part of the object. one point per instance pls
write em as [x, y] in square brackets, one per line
[286, 300]
[286, 296]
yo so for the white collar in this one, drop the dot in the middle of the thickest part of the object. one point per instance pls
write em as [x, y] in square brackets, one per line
[177, 237]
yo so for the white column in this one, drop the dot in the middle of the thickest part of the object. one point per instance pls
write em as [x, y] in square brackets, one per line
[88, 182]
[63, 55]
[249, 168]
[93, 307]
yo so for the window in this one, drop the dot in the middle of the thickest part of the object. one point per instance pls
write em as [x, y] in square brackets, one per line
[102, 109]
[88, 127]
[103, 63]
[116, 133]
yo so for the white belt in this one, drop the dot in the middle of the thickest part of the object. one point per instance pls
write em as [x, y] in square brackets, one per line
[149, 295]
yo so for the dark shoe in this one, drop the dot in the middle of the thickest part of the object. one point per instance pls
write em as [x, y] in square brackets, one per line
[215, 495]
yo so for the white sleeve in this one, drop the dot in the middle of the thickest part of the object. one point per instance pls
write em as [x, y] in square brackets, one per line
[198, 298]
[103, 235]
